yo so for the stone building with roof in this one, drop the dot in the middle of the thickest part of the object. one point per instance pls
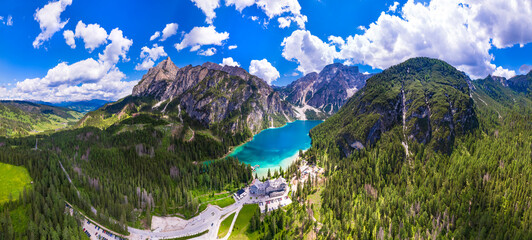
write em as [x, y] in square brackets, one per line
[272, 188]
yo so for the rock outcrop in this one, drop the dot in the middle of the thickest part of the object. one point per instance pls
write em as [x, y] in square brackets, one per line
[215, 94]
[326, 91]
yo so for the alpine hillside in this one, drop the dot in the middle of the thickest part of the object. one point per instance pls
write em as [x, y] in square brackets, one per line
[21, 118]
[426, 100]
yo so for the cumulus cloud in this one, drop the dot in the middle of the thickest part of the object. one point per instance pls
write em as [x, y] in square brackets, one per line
[461, 34]
[503, 72]
[230, 62]
[393, 7]
[155, 35]
[69, 38]
[525, 68]
[308, 51]
[83, 80]
[264, 69]
[49, 19]
[284, 22]
[169, 30]
[208, 7]
[336, 40]
[117, 49]
[209, 52]
[149, 56]
[506, 22]
[288, 10]
[231, 47]
[200, 36]
[93, 35]
[9, 21]
[240, 4]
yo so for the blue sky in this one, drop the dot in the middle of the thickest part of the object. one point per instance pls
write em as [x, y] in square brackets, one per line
[478, 37]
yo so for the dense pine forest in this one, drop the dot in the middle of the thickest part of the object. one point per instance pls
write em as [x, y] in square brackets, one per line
[123, 175]
[480, 189]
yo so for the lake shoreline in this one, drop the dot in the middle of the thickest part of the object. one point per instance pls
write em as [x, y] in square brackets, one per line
[275, 147]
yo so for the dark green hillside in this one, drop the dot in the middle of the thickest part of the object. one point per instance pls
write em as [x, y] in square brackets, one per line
[432, 95]
[21, 118]
[522, 84]
[480, 188]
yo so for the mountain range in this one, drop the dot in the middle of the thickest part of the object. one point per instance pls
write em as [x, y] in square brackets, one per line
[319, 95]
[79, 106]
[20, 118]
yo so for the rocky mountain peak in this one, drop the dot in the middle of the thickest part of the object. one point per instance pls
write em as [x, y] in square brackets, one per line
[165, 71]
[326, 91]
[233, 71]
[335, 68]
[212, 94]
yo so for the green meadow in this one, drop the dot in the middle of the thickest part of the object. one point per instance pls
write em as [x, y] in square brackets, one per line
[12, 181]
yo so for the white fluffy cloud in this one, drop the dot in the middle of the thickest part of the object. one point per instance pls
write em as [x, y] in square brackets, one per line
[506, 22]
[208, 52]
[117, 49]
[169, 30]
[393, 7]
[230, 62]
[288, 10]
[93, 35]
[308, 51]
[8, 22]
[49, 19]
[231, 47]
[149, 56]
[83, 80]
[503, 72]
[208, 7]
[460, 33]
[69, 38]
[264, 69]
[200, 36]
[240, 4]
[155, 35]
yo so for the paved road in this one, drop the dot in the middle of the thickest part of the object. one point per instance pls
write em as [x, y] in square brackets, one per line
[210, 219]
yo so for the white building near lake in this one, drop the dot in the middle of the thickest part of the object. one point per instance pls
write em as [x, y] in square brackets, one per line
[272, 188]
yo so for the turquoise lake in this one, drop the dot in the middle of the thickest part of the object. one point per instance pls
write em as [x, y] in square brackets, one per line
[276, 147]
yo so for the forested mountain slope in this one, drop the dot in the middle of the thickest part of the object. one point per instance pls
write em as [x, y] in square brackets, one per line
[449, 166]
[21, 118]
[425, 99]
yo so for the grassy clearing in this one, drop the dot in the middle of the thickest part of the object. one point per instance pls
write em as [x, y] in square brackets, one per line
[242, 222]
[223, 202]
[211, 197]
[315, 200]
[13, 179]
[226, 224]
